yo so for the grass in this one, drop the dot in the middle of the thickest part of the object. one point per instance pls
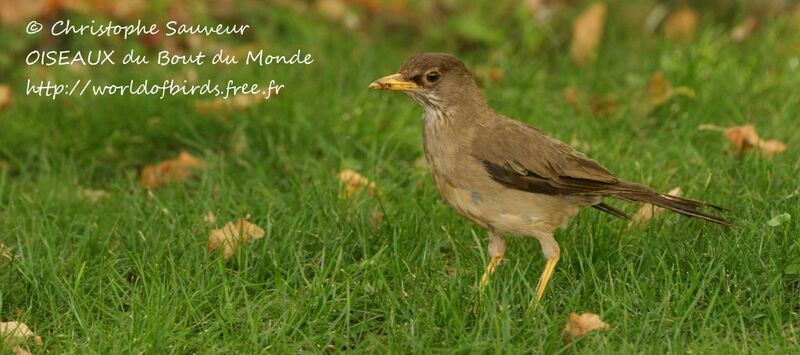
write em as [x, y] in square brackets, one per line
[130, 273]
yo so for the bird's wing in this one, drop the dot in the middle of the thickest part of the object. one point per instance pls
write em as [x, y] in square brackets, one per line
[523, 158]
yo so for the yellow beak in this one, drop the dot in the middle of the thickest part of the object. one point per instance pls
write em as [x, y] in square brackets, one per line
[393, 82]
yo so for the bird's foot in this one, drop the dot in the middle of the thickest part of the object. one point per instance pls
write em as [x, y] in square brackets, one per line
[490, 269]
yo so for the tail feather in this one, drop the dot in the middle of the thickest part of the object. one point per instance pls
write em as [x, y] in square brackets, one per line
[611, 210]
[684, 206]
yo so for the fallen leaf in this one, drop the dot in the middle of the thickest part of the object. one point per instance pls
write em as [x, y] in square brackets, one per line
[231, 235]
[20, 351]
[353, 183]
[375, 220]
[580, 325]
[182, 167]
[770, 148]
[658, 91]
[234, 103]
[93, 196]
[587, 31]
[573, 97]
[745, 138]
[649, 211]
[13, 12]
[5, 252]
[681, 24]
[16, 333]
[744, 29]
[779, 219]
[604, 105]
[579, 144]
[494, 75]
[6, 97]
[210, 217]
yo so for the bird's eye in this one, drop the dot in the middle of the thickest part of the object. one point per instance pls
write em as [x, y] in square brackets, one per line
[432, 76]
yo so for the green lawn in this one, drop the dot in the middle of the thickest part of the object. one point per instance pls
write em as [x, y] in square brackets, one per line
[130, 273]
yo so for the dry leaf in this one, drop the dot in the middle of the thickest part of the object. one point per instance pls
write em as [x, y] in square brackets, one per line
[20, 351]
[353, 183]
[13, 12]
[16, 333]
[587, 31]
[181, 168]
[234, 103]
[494, 75]
[681, 24]
[745, 29]
[210, 217]
[603, 105]
[375, 220]
[573, 97]
[579, 325]
[231, 235]
[6, 97]
[650, 211]
[745, 138]
[93, 196]
[5, 252]
[658, 91]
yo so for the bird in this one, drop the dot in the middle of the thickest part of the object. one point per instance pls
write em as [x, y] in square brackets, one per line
[504, 175]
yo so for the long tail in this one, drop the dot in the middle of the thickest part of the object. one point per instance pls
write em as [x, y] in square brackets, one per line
[638, 193]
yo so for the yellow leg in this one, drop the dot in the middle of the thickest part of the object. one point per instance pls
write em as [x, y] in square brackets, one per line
[497, 249]
[548, 272]
[490, 269]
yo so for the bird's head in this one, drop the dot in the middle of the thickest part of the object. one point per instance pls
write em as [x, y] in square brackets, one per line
[434, 80]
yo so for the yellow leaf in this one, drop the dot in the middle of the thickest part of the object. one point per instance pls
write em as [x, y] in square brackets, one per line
[16, 333]
[587, 31]
[6, 97]
[181, 168]
[745, 138]
[580, 325]
[573, 97]
[659, 91]
[681, 24]
[745, 29]
[231, 235]
[352, 183]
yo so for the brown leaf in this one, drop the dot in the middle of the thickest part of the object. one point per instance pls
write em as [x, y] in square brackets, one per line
[745, 29]
[20, 351]
[6, 97]
[16, 333]
[5, 252]
[494, 75]
[573, 97]
[771, 147]
[745, 138]
[13, 12]
[681, 24]
[181, 168]
[234, 103]
[579, 325]
[231, 235]
[659, 91]
[603, 105]
[587, 31]
[649, 211]
[210, 218]
[353, 183]
[375, 220]
[93, 196]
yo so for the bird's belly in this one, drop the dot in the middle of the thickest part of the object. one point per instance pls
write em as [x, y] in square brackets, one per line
[509, 211]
